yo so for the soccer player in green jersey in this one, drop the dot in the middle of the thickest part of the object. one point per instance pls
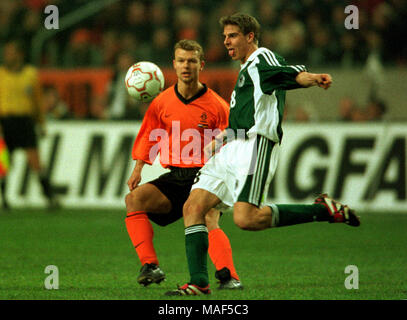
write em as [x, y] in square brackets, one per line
[239, 175]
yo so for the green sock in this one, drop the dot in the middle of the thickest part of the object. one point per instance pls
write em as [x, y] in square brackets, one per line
[196, 244]
[291, 214]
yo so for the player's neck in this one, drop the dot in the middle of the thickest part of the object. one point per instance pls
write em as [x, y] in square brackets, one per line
[188, 90]
[14, 67]
[251, 49]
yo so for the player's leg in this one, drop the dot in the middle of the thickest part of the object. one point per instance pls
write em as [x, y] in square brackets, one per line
[248, 213]
[206, 193]
[145, 198]
[3, 184]
[263, 163]
[250, 217]
[34, 163]
[220, 252]
[199, 202]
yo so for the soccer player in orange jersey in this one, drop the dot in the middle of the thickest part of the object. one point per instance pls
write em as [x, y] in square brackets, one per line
[176, 125]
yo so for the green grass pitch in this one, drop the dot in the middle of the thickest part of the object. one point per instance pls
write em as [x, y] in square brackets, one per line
[96, 260]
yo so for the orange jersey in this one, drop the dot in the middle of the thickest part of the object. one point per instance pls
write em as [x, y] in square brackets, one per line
[178, 129]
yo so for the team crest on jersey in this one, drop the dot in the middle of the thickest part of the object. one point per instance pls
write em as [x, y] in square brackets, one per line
[203, 123]
[240, 83]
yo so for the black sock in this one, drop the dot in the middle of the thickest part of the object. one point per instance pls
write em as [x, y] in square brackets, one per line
[46, 187]
[3, 190]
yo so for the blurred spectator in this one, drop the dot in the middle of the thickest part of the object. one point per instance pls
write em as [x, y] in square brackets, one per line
[120, 105]
[314, 22]
[267, 38]
[215, 49]
[290, 37]
[347, 108]
[267, 14]
[161, 47]
[358, 115]
[97, 108]
[350, 55]
[137, 20]
[54, 107]
[301, 115]
[159, 14]
[187, 22]
[349, 111]
[130, 44]
[305, 113]
[8, 18]
[320, 52]
[110, 47]
[338, 17]
[375, 110]
[80, 51]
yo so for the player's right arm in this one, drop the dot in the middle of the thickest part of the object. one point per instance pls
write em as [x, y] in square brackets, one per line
[135, 176]
[142, 145]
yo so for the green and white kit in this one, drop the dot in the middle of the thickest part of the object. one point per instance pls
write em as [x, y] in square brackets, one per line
[243, 168]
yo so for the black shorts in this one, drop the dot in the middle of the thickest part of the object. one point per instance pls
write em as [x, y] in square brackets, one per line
[18, 132]
[175, 185]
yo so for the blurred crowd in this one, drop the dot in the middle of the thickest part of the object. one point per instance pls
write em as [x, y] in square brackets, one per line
[348, 110]
[310, 32]
[306, 31]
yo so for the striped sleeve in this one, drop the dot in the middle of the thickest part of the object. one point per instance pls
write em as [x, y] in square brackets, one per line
[275, 74]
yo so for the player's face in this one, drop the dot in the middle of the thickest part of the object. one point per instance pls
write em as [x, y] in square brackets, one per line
[239, 46]
[187, 65]
[11, 54]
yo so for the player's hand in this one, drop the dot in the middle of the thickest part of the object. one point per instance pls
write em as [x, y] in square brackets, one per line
[134, 180]
[323, 80]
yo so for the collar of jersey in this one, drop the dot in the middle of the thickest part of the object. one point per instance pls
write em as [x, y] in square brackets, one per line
[252, 57]
[188, 101]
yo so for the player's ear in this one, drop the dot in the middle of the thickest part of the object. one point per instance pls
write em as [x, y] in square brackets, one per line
[250, 37]
[202, 65]
[173, 63]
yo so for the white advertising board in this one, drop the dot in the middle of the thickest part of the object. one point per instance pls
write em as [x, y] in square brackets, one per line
[363, 165]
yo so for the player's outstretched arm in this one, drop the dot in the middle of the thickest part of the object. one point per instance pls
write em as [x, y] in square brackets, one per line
[306, 80]
[135, 176]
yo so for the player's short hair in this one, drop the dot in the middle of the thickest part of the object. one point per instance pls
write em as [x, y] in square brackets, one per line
[190, 45]
[245, 22]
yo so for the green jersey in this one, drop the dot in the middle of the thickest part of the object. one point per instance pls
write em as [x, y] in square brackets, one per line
[258, 99]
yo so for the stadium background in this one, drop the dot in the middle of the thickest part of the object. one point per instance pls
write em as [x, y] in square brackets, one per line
[92, 124]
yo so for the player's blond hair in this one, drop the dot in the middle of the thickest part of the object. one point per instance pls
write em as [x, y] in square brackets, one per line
[245, 22]
[190, 45]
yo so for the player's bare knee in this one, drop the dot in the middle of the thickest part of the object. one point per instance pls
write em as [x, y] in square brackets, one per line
[191, 208]
[212, 219]
[128, 199]
[133, 200]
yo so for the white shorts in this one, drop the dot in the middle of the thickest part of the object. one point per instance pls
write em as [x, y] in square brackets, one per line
[241, 171]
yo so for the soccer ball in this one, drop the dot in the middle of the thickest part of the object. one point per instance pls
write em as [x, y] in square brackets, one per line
[144, 81]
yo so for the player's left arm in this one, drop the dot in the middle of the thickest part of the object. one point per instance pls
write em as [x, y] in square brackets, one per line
[307, 79]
